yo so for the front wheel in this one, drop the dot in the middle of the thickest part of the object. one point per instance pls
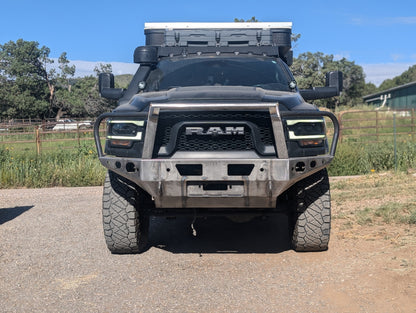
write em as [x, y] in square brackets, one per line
[125, 216]
[311, 213]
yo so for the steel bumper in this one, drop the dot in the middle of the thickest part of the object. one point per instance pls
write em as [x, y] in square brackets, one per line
[215, 187]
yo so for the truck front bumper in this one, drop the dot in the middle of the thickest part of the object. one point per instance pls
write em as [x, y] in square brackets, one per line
[210, 180]
[168, 182]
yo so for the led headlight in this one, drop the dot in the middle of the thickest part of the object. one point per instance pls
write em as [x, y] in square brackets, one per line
[308, 132]
[124, 133]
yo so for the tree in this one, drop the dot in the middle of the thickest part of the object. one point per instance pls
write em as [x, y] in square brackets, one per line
[67, 72]
[294, 38]
[354, 82]
[61, 101]
[241, 20]
[85, 99]
[310, 68]
[49, 74]
[406, 77]
[23, 79]
[369, 89]
[29, 88]
[103, 68]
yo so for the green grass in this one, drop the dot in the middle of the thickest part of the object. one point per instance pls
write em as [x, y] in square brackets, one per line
[397, 212]
[364, 216]
[50, 140]
[63, 161]
[375, 200]
[388, 213]
[353, 159]
[69, 168]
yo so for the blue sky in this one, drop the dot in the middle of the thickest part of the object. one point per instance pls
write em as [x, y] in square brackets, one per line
[378, 35]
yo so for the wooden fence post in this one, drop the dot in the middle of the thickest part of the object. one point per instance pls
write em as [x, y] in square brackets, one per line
[413, 124]
[340, 126]
[38, 140]
[78, 136]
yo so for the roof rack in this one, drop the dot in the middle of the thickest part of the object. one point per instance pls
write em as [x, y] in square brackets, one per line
[172, 39]
[218, 34]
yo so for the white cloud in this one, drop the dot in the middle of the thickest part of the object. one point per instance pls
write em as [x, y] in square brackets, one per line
[86, 68]
[377, 73]
[397, 56]
[404, 20]
[384, 21]
[341, 55]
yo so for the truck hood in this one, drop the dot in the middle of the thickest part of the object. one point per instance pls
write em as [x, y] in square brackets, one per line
[288, 101]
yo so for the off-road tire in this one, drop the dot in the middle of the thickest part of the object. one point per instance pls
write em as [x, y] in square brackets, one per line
[311, 213]
[125, 219]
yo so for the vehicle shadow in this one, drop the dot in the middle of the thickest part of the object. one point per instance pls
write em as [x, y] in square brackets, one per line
[221, 235]
[8, 214]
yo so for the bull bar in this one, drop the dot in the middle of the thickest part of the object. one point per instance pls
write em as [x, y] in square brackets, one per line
[269, 178]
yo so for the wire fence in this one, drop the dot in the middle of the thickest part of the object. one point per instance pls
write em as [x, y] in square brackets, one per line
[377, 126]
[41, 135]
[387, 136]
[361, 127]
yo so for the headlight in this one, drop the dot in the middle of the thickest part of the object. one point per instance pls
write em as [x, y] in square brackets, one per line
[124, 133]
[308, 132]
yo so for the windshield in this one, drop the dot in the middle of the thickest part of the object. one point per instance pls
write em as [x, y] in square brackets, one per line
[266, 73]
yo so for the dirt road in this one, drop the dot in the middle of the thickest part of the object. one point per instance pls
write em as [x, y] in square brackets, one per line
[53, 259]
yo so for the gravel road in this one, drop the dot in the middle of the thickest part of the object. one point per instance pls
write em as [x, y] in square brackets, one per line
[53, 258]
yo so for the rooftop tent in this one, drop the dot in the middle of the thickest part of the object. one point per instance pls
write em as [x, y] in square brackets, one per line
[272, 39]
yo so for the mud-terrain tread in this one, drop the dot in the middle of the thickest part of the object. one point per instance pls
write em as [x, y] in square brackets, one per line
[125, 223]
[312, 213]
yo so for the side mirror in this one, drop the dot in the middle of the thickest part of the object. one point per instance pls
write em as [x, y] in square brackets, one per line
[106, 87]
[333, 87]
[334, 79]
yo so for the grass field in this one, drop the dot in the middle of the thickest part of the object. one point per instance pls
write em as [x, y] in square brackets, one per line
[32, 158]
[58, 167]
[378, 198]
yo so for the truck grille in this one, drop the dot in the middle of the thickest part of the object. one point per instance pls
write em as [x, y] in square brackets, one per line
[260, 123]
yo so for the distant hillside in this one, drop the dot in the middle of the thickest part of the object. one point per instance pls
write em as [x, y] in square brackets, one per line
[122, 81]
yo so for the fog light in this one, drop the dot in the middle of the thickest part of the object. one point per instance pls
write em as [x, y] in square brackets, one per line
[310, 142]
[121, 143]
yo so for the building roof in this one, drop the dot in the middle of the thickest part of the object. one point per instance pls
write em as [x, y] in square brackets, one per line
[378, 94]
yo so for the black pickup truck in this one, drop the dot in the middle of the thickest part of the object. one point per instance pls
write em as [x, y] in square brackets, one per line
[213, 124]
